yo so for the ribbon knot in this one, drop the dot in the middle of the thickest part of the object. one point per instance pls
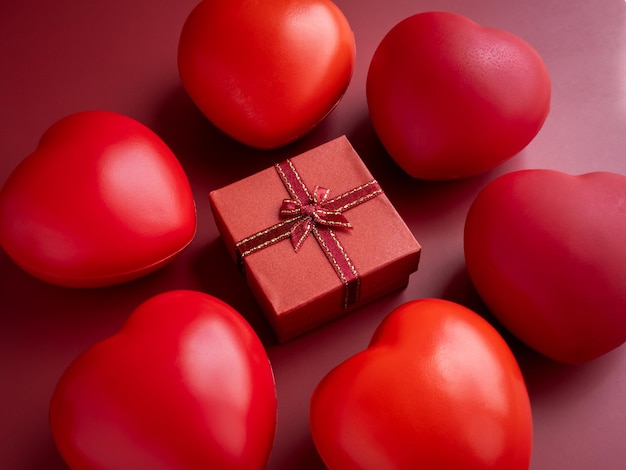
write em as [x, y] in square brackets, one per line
[311, 213]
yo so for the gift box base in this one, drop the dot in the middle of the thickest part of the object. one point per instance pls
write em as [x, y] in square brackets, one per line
[286, 328]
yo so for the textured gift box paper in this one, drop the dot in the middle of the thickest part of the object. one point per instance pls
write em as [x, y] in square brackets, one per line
[300, 290]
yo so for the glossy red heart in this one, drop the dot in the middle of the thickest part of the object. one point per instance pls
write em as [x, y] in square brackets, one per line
[546, 252]
[100, 201]
[184, 385]
[450, 98]
[437, 388]
[266, 73]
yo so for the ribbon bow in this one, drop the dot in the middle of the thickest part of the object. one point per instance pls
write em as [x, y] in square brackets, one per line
[311, 213]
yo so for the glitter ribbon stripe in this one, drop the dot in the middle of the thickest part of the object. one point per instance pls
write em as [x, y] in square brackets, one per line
[310, 212]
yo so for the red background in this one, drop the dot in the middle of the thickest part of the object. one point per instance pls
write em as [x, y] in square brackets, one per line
[67, 56]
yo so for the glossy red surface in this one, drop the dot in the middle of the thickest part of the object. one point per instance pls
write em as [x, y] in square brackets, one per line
[266, 74]
[62, 57]
[102, 200]
[436, 388]
[185, 384]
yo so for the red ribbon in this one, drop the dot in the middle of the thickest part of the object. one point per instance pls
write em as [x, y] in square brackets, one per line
[308, 212]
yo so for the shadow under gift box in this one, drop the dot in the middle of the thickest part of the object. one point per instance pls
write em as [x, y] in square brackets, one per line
[301, 289]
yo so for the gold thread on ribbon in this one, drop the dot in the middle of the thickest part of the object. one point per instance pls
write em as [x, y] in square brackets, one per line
[261, 233]
[337, 268]
[361, 200]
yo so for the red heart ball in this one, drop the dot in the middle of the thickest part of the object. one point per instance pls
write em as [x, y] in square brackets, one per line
[266, 73]
[101, 200]
[546, 253]
[437, 388]
[185, 384]
[450, 98]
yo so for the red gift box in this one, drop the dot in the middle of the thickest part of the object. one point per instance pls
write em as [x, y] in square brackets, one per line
[315, 236]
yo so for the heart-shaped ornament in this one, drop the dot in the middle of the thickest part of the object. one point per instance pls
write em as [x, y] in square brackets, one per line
[185, 384]
[546, 252]
[450, 98]
[437, 388]
[266, 73]
[101, 200]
